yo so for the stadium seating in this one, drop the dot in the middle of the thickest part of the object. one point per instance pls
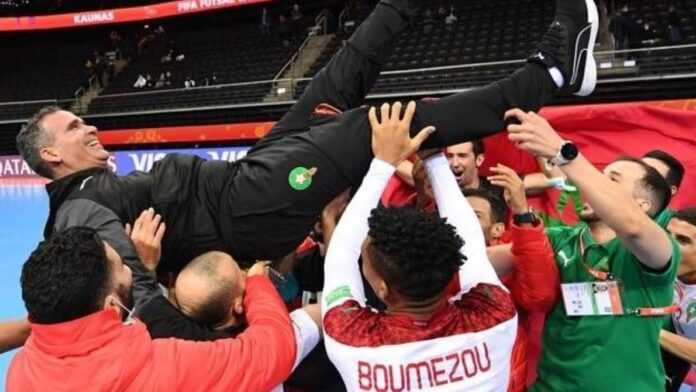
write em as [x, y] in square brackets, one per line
[43, 66]
[231, 50]
[231, 54]
[500, 31]
[487, 43]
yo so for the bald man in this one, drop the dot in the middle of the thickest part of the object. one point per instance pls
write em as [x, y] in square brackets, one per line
[210, 290]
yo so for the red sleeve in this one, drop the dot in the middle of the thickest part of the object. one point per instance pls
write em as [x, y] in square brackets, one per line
[259, 359]
[535, 284]
[398, 193]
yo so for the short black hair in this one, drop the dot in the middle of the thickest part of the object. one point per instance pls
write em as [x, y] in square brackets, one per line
[675, 174]
[478, 147]
[654, 184]
[416, 253]
[687, 215]
[66, 277]
[499, 209]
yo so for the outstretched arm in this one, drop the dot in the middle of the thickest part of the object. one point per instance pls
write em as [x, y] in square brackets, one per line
[391, 144]
[13, 334]
[452, 205]
[643, 237]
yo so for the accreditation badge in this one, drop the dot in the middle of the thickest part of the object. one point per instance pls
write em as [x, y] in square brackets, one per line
[592, 298]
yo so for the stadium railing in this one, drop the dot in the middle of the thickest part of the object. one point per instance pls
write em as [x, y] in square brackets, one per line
[615, 67]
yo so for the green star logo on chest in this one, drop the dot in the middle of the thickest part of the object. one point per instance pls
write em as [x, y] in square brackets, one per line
[300, 178]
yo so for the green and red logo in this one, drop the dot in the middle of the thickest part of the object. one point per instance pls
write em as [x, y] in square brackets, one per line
[300, 178]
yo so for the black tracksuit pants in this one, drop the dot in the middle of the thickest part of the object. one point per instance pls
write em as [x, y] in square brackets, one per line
[263, 214]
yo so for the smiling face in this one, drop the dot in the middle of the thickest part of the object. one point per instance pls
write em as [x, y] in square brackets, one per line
[74, 145]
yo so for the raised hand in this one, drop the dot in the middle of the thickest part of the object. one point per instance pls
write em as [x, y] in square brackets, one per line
[533, 134]
[391, 141]
[147, 233]
[513, 185]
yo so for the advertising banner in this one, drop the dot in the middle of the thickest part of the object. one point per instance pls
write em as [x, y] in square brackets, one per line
[118, 15]
[13, 170]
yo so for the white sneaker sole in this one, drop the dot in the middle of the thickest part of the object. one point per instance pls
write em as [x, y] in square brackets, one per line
[589, 79]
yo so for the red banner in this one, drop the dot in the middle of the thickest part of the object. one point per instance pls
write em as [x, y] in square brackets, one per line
[187, 134]
[118, 15]
[606, 132]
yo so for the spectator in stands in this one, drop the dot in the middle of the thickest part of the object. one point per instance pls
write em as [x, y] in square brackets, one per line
[140, 82]
[491, 212]
[167, 58]
[394, 243]
[674, 25]
[168, 78]
[647, 36]
[428, 22]
[441, 13]
[265, 23]
[189, 82]
[100, 67]
[91, 72]
[349, 14]
[679, 338]
[283, 30]
[296, 14]
[621, 27]
[451, 19]
[668, 166]
[296, 21]
[77, 292]
[161, 81]
[149, 82]
[604, 36]
[117, 44]
[614, 245]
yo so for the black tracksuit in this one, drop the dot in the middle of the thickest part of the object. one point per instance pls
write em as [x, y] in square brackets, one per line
[254, 208]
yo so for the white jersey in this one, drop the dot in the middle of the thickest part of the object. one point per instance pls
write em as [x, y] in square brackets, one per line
[685, 318]
[465, 346]
[307, 336]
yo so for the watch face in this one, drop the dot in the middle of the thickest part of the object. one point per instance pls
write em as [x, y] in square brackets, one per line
[569, 151]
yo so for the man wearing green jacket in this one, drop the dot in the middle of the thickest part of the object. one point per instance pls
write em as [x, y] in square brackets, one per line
[616, 269]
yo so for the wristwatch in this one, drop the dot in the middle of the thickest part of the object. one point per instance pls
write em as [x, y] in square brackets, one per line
[527, 217]
[566, 154]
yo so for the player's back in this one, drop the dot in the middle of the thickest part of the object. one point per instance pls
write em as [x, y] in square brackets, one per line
[464, 346]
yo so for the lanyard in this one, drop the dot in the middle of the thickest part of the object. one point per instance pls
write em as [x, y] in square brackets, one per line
[651, 312]
[584, 250]
[607, 276]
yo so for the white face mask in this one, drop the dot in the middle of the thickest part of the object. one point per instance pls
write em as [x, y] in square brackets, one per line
[129, 312]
